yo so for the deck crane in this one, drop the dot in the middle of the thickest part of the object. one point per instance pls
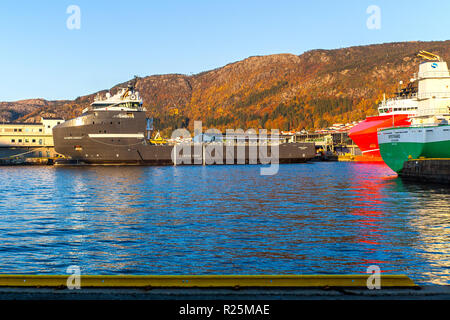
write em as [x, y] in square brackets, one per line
[429, 56]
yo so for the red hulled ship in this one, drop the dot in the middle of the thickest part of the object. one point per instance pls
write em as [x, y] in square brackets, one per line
[392, 112]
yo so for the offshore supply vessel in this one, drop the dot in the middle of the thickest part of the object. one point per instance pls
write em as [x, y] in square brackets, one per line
[428, 136]
[114, 129]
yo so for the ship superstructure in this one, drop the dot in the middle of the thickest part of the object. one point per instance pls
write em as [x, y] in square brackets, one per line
[428, 136]
[126, 99]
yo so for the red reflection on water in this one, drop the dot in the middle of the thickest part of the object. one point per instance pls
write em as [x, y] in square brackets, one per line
[370, 180]
[367, 182]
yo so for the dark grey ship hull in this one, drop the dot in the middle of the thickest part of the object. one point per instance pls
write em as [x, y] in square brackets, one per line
[118, 137]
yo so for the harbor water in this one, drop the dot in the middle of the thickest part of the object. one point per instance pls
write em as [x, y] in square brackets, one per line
[313, 218]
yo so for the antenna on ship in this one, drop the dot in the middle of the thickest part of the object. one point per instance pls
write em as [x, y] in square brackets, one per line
[133, 82]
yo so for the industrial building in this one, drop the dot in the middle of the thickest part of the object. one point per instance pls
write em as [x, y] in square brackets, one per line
[27, 142]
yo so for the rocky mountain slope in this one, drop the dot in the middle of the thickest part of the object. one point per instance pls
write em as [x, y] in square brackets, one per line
[284, 91]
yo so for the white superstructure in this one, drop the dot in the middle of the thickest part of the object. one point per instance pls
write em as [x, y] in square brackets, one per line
[399, 105]
[124, 100]
[434, 92]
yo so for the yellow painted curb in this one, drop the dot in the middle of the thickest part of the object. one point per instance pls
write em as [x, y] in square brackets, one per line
[204, 281]
[425, 159]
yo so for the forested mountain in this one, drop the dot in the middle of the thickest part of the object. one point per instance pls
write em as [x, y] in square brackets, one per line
[284, 91]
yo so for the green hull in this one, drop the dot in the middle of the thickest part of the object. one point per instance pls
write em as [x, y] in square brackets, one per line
[440, 149]
[399, 145]
[396, 153]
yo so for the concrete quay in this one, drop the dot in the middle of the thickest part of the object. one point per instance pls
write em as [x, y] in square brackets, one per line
[427, 170]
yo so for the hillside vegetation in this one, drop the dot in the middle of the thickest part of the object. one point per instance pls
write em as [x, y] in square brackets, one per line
[284, 91]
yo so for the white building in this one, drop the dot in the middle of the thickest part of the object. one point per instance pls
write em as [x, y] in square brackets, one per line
[28, 134]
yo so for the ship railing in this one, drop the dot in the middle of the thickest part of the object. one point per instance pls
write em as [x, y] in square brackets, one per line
[401, 98]
[395, 127]
[228, 143]
[428, 95]
[86, 109]
[433, 111]
[419, 125]
[398, 100]
[431, 74]
[99, 98]
[254, 140]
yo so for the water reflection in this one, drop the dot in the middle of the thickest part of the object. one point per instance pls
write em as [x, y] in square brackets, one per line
[432, 223]
[310, 218]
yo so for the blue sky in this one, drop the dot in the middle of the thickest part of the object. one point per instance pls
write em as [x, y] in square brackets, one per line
[41, 57]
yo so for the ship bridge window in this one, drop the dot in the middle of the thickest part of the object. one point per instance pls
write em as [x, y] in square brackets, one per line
[131, 105]
[102, 105]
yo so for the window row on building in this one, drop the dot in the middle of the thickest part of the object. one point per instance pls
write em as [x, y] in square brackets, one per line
[17, 130]
[27, 140]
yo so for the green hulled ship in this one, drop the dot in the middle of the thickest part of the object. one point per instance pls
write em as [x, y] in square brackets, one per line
[429, 133]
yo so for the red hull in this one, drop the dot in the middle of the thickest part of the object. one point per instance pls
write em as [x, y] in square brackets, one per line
[364, 134]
